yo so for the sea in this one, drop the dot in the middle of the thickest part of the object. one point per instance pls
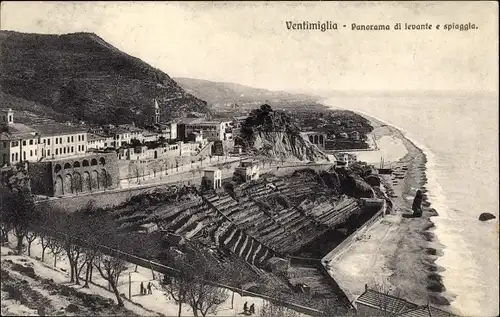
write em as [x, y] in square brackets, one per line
[458, 133]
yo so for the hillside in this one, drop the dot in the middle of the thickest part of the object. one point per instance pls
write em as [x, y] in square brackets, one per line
[224, 95]
[82, 77]
[276, 134]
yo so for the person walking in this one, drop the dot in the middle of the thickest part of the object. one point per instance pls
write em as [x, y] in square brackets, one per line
[149, 288]
[245, 307]
[252, 309]
[142, 289]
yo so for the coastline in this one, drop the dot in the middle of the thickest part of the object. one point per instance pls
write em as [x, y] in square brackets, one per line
[398, 251]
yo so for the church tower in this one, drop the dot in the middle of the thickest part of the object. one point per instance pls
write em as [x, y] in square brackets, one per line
[156, 113]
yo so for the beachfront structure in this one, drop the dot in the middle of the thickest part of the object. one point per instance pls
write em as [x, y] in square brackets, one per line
[213, 177]
[345, 159]
[375, 303]
[248, 170]
[19, 142]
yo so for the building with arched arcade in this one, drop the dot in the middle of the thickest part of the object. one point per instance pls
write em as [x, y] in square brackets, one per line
[317, 138]
[93, 172]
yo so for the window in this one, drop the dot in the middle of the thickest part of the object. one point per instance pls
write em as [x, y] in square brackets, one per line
[57, 151]
[78, 138]
[24, 142]
[16, 157]
[60, 140]
[72, 139]
[83, 147]
[68, 139]
[31, 153]
[12, 156]
[83, 137]
[72, 149]
[44, 141]
[57, 141]
[24, 155]
[48, 141]
[31, 142]
[64, 150]
[48, 152]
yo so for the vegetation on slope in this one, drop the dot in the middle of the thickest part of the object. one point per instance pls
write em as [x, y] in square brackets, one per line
[81, 76]
[276, 134]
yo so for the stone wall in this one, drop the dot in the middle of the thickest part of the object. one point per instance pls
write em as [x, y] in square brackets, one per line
[70, 176]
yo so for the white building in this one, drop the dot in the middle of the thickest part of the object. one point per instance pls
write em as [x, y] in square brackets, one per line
[214, 177]
[19, 142]
[211, 130]
[248, 170]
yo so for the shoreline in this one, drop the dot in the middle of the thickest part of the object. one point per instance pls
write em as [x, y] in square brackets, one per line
[415, 274]
[398, 252]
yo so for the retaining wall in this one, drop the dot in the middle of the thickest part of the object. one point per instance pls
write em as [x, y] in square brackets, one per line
[332, 255]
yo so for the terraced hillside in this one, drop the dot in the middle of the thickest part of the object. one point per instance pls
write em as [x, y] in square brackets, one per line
[273, 217]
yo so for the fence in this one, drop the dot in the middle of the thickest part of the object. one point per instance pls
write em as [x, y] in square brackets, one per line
[172, 271]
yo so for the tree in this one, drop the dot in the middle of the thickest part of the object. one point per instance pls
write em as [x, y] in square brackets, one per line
[56, 248]
[44, 242]
[110, 269]
[73, 252]
[191, 284]
[202, 295]
[271, 310]
[30, 237]
[17, 210]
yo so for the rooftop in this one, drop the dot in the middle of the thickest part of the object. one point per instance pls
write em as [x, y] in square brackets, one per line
[16, 131]
[211, 169]
[426, 311]
[385, 302]
[95, 137]
[57, 128]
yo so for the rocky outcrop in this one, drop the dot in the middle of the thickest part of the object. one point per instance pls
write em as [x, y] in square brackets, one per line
[485, 216]
[276, 134]
[284, 145]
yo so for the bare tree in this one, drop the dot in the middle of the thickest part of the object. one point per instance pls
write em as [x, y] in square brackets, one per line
[56, 248]
[176, 287]
[87, 262]
[73, 251]
[202, 295]
[110, 269]
[30, 237]
[271, 310]
[44, 242]
[19, 233]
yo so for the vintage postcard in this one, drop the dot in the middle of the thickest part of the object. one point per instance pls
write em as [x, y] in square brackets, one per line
[239, 158]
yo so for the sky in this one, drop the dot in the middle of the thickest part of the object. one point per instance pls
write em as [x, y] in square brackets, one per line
[249, 43]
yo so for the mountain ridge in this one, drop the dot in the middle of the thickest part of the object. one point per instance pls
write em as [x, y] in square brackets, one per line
[221, 92]
[82, 76]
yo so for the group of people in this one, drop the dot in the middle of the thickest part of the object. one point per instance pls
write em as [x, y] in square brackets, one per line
[248, 311]
[146, 290]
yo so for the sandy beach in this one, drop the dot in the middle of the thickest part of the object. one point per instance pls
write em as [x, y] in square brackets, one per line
[397, 251]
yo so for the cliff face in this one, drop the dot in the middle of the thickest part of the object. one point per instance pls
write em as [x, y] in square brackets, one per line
[276, 134]
[82, 77]
[284, 145]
